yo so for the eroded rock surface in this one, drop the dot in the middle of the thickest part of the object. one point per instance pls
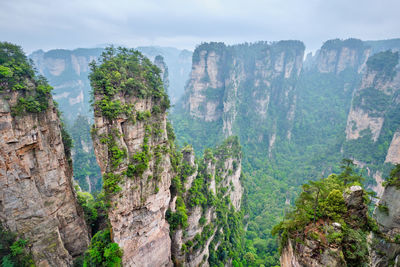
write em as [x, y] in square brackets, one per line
[221, 173]
[137, 215]
[37, 200]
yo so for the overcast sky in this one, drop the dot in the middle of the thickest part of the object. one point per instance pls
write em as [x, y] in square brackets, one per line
[49, 24]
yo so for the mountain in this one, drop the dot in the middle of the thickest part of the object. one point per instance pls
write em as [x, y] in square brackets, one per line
[159, 204]
[46, 220]
[134, 146]
[68, 70]
[385, 248]
[204, 214]
[37, 198]
[295, 120]
[178, 62]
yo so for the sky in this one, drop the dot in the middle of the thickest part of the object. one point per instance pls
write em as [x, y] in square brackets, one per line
[68, 24]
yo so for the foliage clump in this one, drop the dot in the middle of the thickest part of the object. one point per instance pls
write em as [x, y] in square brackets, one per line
[227, 227]
[320, 204]
[102, 251]
[394, 177]
[84, 161]
[17, 74]
[384, 63]
[127, 72]
[13, 250]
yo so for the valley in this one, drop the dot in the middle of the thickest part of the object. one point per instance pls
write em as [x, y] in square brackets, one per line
[192, 158]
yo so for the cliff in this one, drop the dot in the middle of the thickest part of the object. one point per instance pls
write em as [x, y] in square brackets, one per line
[205, 194]
[374, 97]
[295, 121]
[141, 168]
[337, 55]
[220, 73]
[160, 63]
[229, 84]
[386, 246]
[37, 200]
[372, 125]
[130, 141]
[67, 71]
[328, 226]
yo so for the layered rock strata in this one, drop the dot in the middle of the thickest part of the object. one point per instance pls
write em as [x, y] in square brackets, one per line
[219, 175]
[132, 151]
[37, 200]
[225, 79]
[385, 250]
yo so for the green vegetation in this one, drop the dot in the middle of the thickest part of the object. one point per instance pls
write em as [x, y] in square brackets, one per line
[317, 133]
[15, 69]
[17, 74]
[87, 202]
[85, 166]
[227, 228]
[178, 218]
[323, 200]
[306, 147]
[384, 63]
[102, 251]
[394, 177]
[13, 250]
[337, 44]
[372, 100]
[128, 72]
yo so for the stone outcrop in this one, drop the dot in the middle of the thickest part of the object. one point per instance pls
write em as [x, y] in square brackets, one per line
[132, 152]
[393, 154]
[385, 247]
[226, 79]
[373, 101]
[137, 215]
[37, 200]
[336, 55]
[160, 63]
[221, 173]
[315, 250]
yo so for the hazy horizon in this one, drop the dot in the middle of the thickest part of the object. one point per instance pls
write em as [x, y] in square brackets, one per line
[47, 25]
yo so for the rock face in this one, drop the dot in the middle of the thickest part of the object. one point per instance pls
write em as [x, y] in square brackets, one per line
[67, 72]
[255, 79]
[137, 215]
[373, 102]
[37, 200]
[309, 255]
[314, 251]
[387, 250]
[336, 55]
[132, 151]
[160, 63]
[219, 175]
[393, 155]
[135, 149]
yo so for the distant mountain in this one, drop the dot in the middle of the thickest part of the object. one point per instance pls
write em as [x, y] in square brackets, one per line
[179, 63]
[67, 71]
[295, 120]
